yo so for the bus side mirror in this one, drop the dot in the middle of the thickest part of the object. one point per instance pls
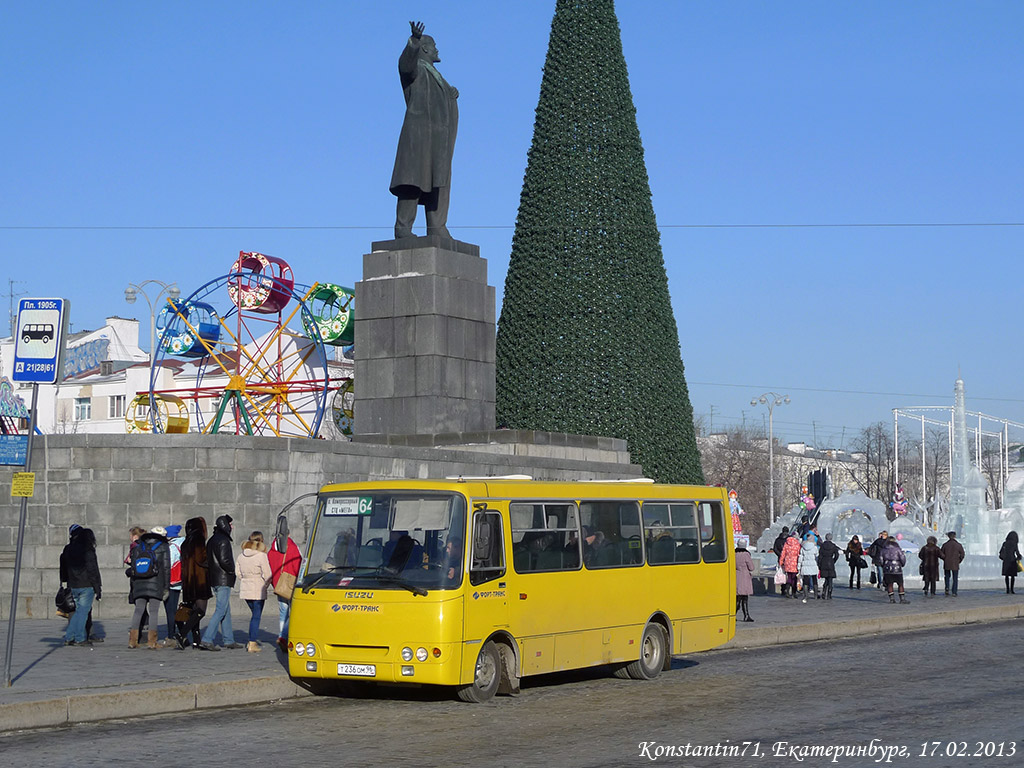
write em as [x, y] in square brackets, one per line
[481, 538]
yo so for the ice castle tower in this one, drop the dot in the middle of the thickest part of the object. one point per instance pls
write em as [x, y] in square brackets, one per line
[975, 524]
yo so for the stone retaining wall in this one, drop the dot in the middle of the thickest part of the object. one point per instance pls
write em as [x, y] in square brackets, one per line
[112, 482]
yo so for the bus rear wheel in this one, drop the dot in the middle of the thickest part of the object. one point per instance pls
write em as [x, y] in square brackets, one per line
[653, 652]
[486, 676]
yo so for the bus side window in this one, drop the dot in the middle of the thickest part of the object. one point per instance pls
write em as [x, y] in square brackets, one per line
[488, 557]
[612, 534]
[712, 525]
[688, 550]
[545, 536]
[672, 533]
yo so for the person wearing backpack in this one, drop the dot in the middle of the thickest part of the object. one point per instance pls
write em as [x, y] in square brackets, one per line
[220, 561]
[133, 538]
[149, 568]
[893, 560]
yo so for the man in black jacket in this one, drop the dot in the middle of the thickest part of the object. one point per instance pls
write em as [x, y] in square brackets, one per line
[220, 561]
[780, 542]
[80, 571]
[828, 554]
[875, 553]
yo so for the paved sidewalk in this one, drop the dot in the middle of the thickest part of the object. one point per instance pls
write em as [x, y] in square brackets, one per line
[56, 685]
[852, 613]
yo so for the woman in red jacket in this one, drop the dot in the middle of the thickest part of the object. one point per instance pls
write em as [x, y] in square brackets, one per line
[284, 558]
[789, 561]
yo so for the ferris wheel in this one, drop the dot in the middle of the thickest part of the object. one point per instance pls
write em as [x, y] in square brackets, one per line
[248, 352]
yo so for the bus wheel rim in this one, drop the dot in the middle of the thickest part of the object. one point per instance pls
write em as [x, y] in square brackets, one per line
[651, 652]
[485, 670]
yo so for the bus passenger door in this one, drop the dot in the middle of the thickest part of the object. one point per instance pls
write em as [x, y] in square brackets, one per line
[487, 594]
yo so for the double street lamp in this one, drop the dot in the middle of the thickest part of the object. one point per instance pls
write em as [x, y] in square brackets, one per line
[771, 399]
[133, 291]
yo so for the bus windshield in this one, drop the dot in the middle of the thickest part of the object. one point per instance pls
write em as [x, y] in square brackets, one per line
[388, 540]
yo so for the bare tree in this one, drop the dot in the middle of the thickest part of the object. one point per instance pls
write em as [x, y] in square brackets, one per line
[990, 466]
[936, 448]
[65, 423]
[736, 463]
[877, 478]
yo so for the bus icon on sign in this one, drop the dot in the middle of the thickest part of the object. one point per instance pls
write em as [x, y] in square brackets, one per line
[41, 331]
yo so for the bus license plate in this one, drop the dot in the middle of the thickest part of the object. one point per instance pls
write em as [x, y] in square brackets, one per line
[360, 670]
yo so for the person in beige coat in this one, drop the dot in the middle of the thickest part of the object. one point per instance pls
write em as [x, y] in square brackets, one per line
[744, 581]
[254, 573]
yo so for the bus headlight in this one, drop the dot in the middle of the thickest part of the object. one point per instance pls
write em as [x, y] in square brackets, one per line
[421, 654]
[407, 654]
[300, 649]
[310, 649]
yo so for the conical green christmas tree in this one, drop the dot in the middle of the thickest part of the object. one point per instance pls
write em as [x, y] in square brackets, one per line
[587, 342]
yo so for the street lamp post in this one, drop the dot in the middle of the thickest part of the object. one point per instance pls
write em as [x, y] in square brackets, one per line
[771, 399]
[132, 292]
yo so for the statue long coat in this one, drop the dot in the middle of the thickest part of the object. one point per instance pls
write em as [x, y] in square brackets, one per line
[424, 158]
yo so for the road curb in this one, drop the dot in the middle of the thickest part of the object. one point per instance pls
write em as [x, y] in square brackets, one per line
[137, 702]
[178, 698]
[760, 637]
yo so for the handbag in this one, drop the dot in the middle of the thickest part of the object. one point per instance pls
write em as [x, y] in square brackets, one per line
[873, 579]
[1020, 566]
[64, 601]
[780, 577]
[183, 614]
[285, 585]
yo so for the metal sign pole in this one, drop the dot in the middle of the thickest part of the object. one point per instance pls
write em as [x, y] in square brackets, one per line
[13, 607]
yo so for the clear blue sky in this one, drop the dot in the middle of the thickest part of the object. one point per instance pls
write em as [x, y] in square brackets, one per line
[156, 140]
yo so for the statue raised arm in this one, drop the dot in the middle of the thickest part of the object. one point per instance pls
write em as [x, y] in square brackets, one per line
[423, 163]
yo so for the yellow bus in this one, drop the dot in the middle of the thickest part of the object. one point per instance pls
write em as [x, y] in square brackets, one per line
[560, 575]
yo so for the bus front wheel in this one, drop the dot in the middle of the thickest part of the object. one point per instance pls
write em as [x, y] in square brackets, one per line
[486, 676]
[653, 651]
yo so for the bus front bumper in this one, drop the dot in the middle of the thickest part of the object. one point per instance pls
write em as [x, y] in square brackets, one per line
[333, 663]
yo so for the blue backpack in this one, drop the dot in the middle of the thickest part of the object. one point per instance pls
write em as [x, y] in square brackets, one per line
[144, 562]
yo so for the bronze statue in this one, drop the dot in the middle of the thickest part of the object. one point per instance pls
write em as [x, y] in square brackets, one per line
[423, 164]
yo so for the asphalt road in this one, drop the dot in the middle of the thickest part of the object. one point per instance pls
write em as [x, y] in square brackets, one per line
[953, 690]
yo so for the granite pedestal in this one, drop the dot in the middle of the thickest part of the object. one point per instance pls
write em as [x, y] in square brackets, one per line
[424, 346]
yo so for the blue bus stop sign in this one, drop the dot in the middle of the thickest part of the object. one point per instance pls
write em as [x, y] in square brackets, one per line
[39, 340]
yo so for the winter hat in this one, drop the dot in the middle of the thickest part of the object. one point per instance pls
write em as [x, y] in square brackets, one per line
[159, 530]
[74, 527]
[173, 531]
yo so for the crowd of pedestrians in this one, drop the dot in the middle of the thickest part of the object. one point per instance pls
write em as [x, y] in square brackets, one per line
[182, 573]
[804, 558]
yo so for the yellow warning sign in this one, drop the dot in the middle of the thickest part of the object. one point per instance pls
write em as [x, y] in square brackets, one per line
[23, 484]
